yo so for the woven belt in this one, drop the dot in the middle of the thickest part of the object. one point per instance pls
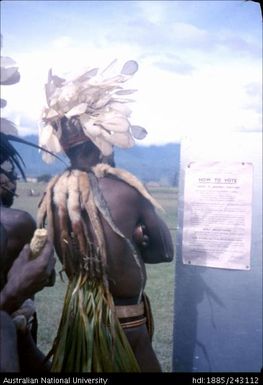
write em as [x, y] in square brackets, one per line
[131, 316]
[128, 311]
[133, 324]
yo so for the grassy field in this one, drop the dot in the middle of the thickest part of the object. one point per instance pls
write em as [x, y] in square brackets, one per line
[160, 284]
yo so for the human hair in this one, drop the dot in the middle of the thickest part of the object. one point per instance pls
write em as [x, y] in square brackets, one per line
[9, 155]
[83, 156]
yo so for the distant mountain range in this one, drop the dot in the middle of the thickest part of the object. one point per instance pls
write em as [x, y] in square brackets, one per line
[149, 163]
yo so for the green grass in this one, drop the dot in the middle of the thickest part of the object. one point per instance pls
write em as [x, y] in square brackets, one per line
[159, 288]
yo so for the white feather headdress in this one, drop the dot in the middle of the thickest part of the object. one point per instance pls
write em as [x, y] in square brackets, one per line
[99, 104]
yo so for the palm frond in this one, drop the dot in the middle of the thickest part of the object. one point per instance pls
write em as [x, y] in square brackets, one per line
[90, 337]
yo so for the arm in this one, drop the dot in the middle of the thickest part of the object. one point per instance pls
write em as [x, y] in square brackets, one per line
[20, 227]
[26, 277]
[156, 241]
[31, 359]
[3, 257]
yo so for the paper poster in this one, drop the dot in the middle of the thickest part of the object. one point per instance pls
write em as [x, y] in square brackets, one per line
[217, 214]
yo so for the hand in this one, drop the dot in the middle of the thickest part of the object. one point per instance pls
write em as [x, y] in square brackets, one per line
[140, 237]
[23, 317]
[27, 276]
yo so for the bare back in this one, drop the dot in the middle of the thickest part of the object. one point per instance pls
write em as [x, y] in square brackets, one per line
[126, 258]
[128, 208]
[126, 276]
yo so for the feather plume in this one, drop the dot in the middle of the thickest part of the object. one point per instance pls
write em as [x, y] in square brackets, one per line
[98, 99]
[138, 132]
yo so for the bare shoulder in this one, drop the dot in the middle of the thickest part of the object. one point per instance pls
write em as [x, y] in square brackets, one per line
[19, 225]
[16, 217]
[117, 190]
[124, 202]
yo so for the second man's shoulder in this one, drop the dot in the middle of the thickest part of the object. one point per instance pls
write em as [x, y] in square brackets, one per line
[16, 216]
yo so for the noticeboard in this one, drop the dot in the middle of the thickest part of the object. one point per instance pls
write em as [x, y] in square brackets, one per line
[217, 214]
[218, 276]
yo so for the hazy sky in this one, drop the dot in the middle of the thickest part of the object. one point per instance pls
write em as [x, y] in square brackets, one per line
[200, 62]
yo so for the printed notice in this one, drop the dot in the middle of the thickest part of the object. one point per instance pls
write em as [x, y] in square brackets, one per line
[217, 214]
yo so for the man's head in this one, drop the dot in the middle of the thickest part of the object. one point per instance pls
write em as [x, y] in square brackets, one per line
[10, 160]
[71, 133]
[80, 150]
[7, 187]
[83, 156]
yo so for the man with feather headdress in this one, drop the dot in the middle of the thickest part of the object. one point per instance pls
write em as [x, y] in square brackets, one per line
[104, 226]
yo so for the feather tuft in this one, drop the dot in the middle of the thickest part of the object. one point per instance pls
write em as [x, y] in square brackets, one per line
[98, 100]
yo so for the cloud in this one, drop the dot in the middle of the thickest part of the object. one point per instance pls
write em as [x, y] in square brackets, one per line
[180, 38]
[193, 76]
[168, 61]
[174, 64]
[254, 89]
[234, 43]
[62, 42]
[253, 98]
[174, 97]
[189, 34]
[156, 13]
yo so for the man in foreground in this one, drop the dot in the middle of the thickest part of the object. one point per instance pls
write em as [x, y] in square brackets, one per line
[104, 227]
[20, 277]
[18, 350]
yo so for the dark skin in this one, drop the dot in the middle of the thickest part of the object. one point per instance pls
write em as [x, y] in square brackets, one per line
[26, 277]
[9, 361]
[20, 227]
[124, 276]
[21, 278]
[137, 220]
